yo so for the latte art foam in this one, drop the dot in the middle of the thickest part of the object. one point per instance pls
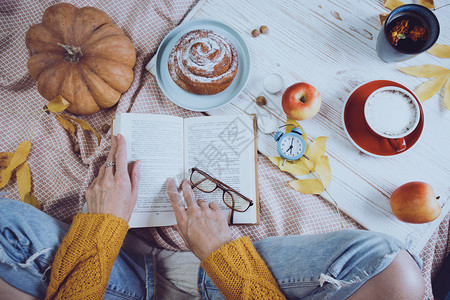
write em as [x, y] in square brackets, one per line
[391, 113]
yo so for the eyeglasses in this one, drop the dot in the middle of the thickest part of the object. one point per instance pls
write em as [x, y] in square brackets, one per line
[232, 198]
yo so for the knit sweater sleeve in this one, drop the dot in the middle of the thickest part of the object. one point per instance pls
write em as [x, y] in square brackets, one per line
[84, 260]
[240, 273]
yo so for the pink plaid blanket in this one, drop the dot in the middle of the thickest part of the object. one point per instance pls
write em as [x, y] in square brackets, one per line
[61, 176]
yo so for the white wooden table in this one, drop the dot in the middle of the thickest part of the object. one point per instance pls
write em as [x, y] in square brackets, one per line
[331, 45]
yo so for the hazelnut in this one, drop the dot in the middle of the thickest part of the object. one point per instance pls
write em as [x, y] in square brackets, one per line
[255, 32]
[264, 29]
[261, 100]
[105, 128]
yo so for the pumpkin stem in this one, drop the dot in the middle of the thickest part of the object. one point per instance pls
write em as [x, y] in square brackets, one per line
[71, 53]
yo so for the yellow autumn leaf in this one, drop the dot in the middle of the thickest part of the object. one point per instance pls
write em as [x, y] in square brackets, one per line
[23, 176]
[67, 125]
[58, 104]
[383, 17]
[308, 186]
[296, 124]
[314, 152]
[5, 158]
[32, 200]
[324, 171]
[429, 88]
[392, 4]
[292, 122]
[447, 94]
[296, 168]
[427, 3]
[17, 159]
[428, 71]
[85, 125]
[439, 50]
[307, 162]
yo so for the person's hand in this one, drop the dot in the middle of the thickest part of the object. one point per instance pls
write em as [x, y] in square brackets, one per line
[115, 191]
[203, 227]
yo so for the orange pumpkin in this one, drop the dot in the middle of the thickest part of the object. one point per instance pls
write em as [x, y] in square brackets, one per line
[80, 54]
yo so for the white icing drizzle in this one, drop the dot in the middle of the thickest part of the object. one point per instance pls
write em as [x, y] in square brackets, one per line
[198, 54]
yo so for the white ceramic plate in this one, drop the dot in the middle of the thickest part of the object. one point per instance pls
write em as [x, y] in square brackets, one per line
[201, 102]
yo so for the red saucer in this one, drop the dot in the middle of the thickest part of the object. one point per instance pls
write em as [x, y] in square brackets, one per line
[356, 126]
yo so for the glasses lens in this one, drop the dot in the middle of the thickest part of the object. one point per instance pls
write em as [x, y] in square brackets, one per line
[202, 182]
[235, 202]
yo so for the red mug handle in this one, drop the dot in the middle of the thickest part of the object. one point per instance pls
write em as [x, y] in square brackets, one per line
[399, 145]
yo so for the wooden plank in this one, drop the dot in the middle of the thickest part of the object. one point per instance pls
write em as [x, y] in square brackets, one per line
[331, 45]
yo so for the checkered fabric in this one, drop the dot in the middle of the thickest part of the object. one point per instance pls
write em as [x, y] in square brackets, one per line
[60, 175]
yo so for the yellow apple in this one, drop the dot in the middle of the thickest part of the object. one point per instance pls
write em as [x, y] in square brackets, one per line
[415, 202]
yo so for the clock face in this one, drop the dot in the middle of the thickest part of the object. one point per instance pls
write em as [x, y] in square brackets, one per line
[291, 146]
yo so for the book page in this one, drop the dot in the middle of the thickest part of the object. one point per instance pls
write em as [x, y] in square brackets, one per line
[224, 147]
[157, 141]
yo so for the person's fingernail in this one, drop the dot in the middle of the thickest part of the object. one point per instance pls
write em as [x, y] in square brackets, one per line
[172, 180]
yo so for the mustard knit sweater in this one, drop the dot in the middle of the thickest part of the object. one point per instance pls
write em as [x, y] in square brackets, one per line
[85, 258]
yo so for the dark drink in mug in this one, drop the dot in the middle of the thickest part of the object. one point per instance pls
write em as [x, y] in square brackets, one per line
[408, 33]
[409, 30]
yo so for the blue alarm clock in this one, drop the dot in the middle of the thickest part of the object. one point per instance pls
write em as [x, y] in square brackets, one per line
[291, 145]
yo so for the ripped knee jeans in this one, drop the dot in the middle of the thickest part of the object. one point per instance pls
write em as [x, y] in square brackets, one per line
[29, 240]
[28, 246]
[321, 266]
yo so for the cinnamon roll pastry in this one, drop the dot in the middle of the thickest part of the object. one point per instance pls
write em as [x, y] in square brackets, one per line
[203, 62]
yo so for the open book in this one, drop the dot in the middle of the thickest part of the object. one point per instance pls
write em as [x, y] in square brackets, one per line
[168, 146]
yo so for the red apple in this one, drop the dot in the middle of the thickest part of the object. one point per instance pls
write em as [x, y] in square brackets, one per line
[301, 101]
[415, 202]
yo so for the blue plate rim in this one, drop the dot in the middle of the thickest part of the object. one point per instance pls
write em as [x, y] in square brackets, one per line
[219, 99]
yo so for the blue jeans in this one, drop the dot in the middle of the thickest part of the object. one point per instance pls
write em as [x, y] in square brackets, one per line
[318, 266]
[321, 266]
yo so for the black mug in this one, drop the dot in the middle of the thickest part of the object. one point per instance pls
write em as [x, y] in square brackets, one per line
[408, 30]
